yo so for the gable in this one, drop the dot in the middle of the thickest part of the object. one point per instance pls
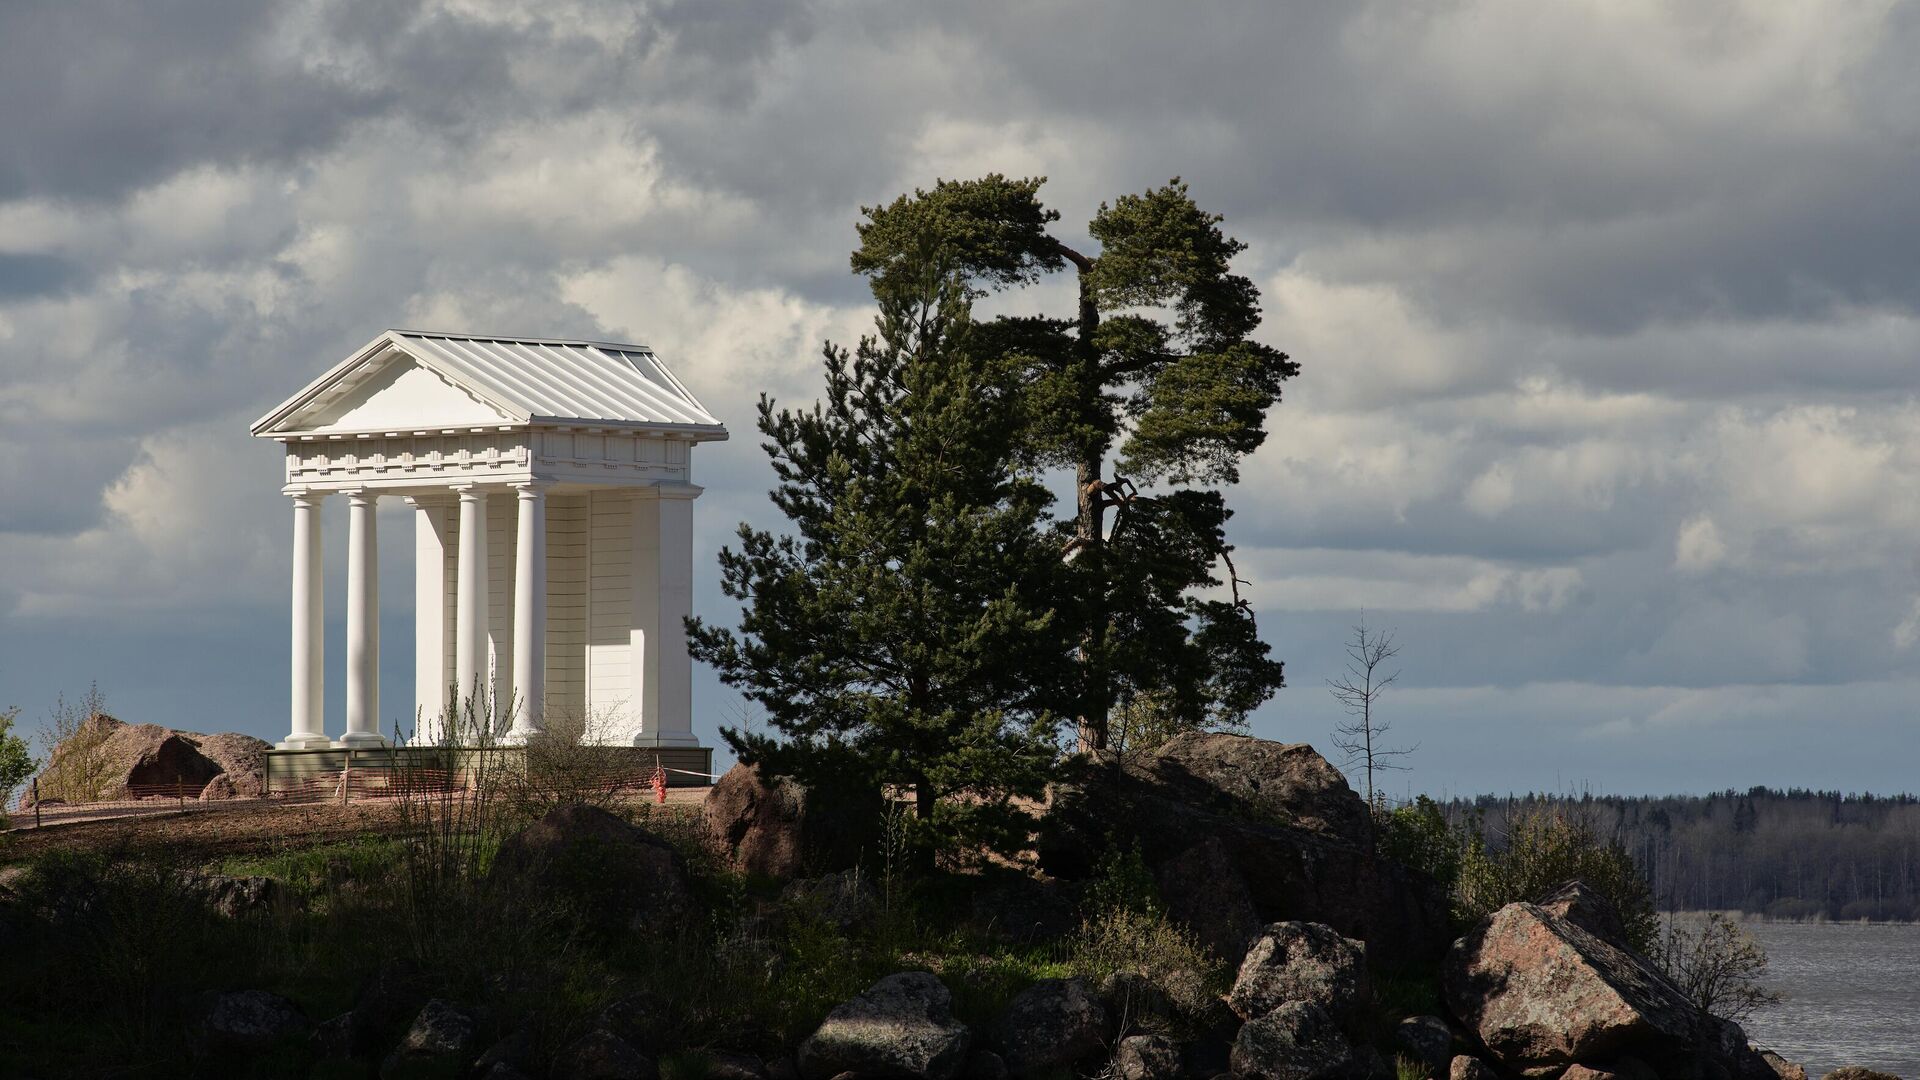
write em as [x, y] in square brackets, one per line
[393, 393]
[414, 380]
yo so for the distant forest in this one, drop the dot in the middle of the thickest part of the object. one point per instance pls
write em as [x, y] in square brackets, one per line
[1782, 854]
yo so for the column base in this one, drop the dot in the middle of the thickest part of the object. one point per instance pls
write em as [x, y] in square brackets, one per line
[678, 740]
[362, 740]
[304, 742]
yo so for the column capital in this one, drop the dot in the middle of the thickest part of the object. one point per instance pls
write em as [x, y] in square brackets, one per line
[360, 496]
[532, 489]
[304, 496]
[470, 491]
[677, 491]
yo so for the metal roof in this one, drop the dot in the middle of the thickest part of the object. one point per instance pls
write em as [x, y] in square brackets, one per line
[531, 380]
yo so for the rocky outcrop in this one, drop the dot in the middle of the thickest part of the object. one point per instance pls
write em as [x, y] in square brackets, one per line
[984, 1065]
[1240, 776]
[1427, 1040]
[1204, 889]
[1782, 1068]
[1856, 1072]
[731, 1065]
[233, 896]
[242, 1023]
[1585, 908]
[602, 1055]
[618, 875]
[902, 1025]
[442, 1038]
[108, 759]
[242, 760]
[1540, 992]
[784, 829]
[1147, 1057]
[1050, 1025]
[385, 1008]
[1301, 961]
[1587, 1072]
[1297, 1041]
[1554, 988]
[846, 899]
[1464, 1067]
[1234, 825]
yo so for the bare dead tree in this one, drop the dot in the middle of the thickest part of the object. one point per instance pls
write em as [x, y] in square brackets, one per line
[1358, 691]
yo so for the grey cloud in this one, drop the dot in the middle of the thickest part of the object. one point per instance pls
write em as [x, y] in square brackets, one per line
[37, 275]
[52, 480]
[108, 97]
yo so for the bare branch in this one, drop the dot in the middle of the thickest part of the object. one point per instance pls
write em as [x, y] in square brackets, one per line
[1358, 691]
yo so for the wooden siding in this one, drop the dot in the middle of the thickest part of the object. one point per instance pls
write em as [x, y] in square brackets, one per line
[610, 614]
[567, 605]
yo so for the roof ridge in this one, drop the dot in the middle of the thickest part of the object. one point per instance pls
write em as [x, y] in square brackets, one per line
[522, 339]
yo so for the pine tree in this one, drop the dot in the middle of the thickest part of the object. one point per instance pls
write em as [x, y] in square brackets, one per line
[1156, 365]
[905, 635]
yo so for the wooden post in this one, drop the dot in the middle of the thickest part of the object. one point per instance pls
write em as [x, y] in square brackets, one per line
[36, 802]
[346, 778]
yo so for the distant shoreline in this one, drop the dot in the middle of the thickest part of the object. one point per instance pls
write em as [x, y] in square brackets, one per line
[1812, 920]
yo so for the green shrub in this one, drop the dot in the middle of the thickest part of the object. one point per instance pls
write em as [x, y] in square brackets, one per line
[1122, 882]
[1543, 849]
[1147, 943]
[1419, 837]
[1718, 964]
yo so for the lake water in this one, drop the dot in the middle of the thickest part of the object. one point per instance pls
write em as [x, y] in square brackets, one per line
[1853, 995]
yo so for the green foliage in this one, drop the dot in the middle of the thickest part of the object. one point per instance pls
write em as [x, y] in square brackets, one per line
[1122, 882]
[16, 758]
[1156, 362]
[1406, 1067]
[1543, 849]
[993, 230]
[77, 768]
[1119, 940]
[1719, 965]
[905, 636]
[1418, 836]
[313, 875]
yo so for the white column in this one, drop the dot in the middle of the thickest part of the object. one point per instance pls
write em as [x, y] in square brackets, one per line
[470, 610]
[363, 621]
[663, 599]
[307, 727]
[530, 614]
[430, 610]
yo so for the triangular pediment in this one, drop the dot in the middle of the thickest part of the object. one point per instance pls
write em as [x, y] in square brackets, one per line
[394, 392]
[410, 380]
[386, 388]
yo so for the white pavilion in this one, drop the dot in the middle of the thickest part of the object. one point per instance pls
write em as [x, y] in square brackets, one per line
[550, 482]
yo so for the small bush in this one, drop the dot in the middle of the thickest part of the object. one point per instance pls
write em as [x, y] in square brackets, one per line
[1122, 882]
[1146, 943]
[1419, 837]
[76, 766]
[16, 760]
[565, 763]
[1719, 965]
[1543, 849]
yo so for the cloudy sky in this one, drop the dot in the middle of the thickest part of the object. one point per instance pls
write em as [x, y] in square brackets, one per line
[1609, 316]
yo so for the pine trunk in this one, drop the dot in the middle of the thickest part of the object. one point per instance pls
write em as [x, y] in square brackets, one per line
[1096, 702]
